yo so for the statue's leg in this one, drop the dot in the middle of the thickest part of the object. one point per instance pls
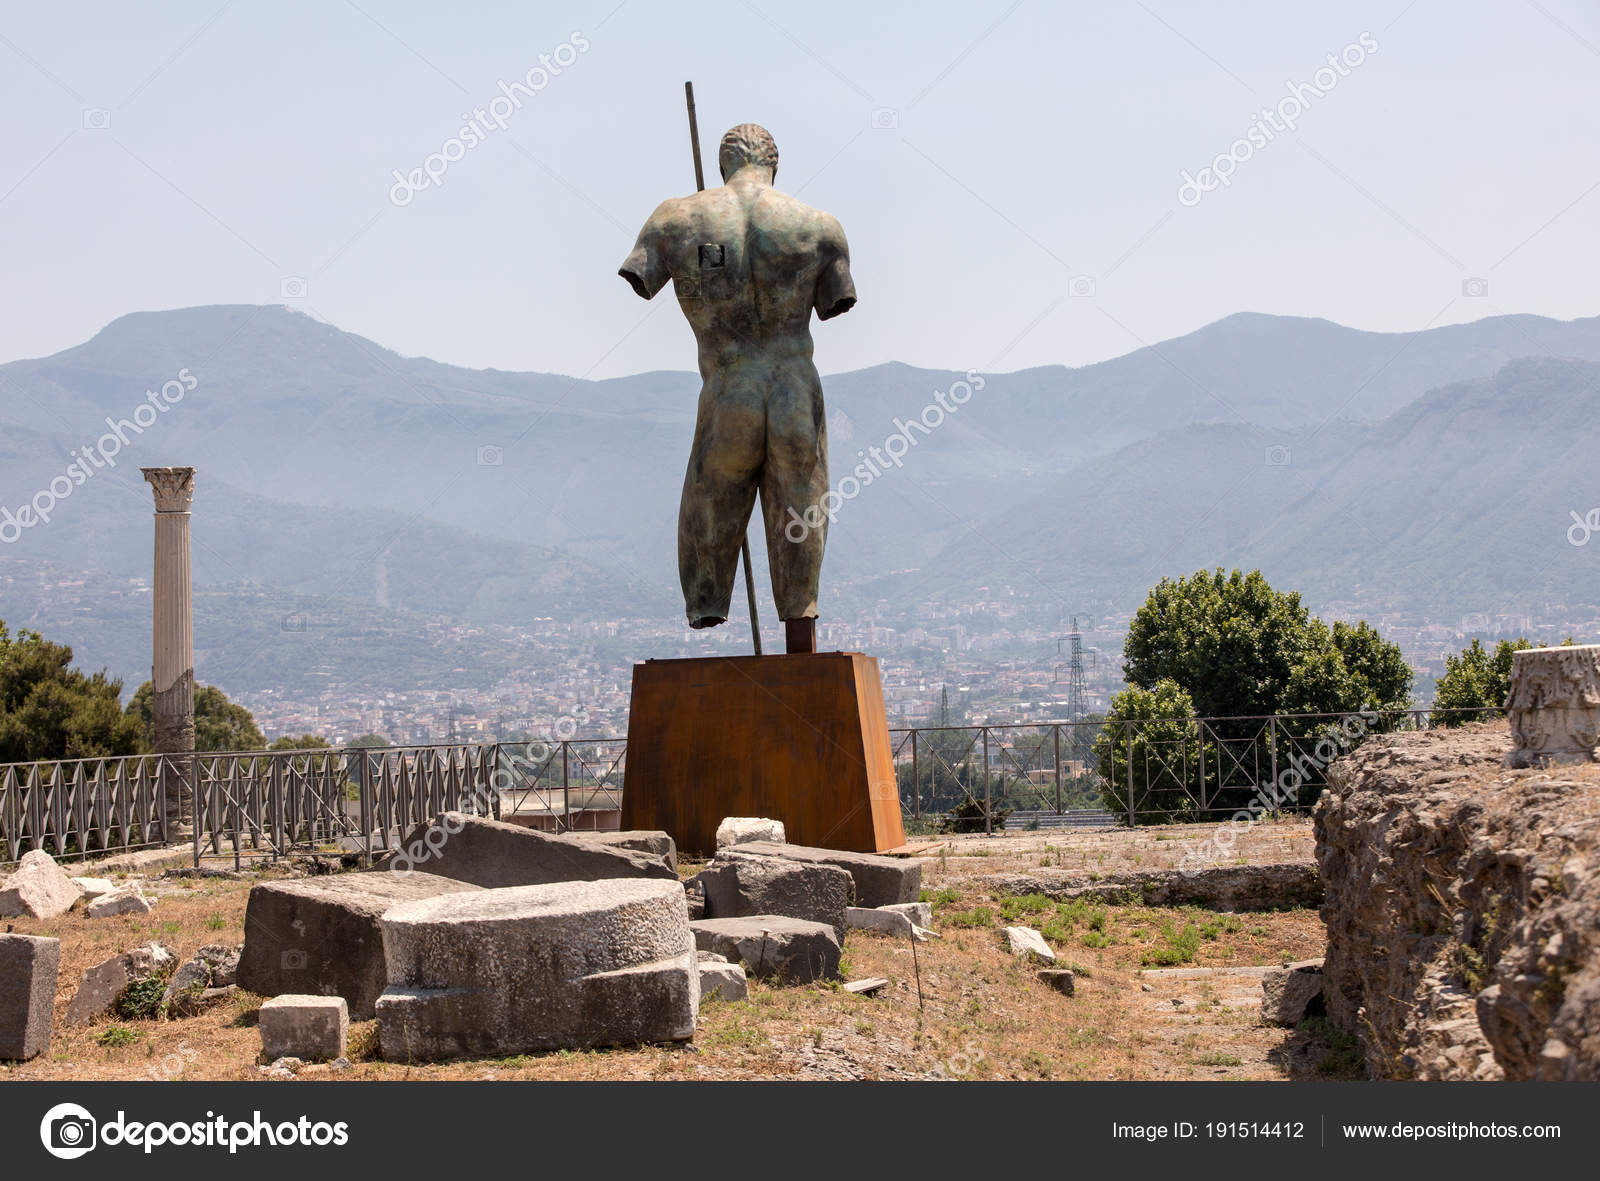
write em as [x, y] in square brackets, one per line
[719, 490]
[794, 504]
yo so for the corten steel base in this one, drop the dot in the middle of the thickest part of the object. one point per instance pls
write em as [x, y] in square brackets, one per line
[797, 738]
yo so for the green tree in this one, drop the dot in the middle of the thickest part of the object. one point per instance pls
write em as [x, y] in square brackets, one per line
[50, 710]
[1474, 679]
[1238, 648]
[1150, 732]
[300, 742]
[1379, 666]
[219, 724]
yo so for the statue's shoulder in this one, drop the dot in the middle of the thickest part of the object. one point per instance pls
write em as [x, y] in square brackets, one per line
[796, 213]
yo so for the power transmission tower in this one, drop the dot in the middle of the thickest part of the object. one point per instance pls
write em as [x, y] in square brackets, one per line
[1080, 741]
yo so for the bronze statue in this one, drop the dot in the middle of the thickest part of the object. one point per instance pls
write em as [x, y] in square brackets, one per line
[748, 265]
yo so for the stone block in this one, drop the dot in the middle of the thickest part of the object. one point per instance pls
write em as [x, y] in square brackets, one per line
[886, 920]
[1060, 979]
[93, 888]
[735, 887]
[28, 968]
[640, 840]
[213, 968]
[311, 1028]
[37, 889]
[792, 951]
[495, 855]
[880, 880]
[107, 980]
[320, 936]
[123, 900]
[741, 830]
[1292, 993]
[920, 913]
[568, 965]
[723, 981]
[1027, 943]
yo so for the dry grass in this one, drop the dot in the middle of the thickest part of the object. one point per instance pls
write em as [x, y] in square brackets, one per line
[983, 1013]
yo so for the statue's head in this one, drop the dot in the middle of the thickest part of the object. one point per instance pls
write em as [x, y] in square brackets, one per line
[748, 143]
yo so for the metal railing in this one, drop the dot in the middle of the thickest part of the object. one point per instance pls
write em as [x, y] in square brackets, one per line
[365, 799]
[354, 799]
[1156, 770]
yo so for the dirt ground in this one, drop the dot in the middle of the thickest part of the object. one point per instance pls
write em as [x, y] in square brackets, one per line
[957, 1007]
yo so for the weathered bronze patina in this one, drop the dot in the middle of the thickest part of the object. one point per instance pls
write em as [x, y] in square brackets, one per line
[748, 265]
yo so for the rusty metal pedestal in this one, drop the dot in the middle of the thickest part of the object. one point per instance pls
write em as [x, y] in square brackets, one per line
[800, 738]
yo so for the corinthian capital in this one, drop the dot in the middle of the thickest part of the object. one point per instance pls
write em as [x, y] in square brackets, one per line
[174, 487]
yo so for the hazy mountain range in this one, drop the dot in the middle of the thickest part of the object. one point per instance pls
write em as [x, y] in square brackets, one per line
[1432, 471]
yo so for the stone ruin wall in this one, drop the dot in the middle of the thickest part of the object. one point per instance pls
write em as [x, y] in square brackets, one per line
[1462, 902]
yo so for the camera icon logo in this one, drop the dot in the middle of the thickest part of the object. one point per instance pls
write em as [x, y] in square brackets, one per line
[96, 119]
[294, 622]
[490, 455]
[1081, 286]
[1278, 456]
[294, 960]
[68, 1131]
[292, 287]
[885, 119]
[1474, 288]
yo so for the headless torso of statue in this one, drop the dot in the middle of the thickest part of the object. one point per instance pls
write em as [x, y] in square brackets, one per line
[749, 265]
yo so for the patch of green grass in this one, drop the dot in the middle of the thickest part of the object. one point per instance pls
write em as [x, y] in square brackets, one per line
[1020, 906]
[978, 916]
[1217, 1058]
[1063, 925]
[215, 922]
[116, 1036]
[1096, 939]
[1177, 946]
[742, 1029]
[141, 1000]
[942, 897]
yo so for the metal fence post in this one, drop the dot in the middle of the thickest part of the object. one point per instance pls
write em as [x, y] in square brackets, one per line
[988, 804]
[364, 806]
[194, 804]
[1056, 730]
[1272, 747]
[916, 781]
[1127, 731]
[566, 792]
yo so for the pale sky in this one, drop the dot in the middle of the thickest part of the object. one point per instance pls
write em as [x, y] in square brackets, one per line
[1017, 205]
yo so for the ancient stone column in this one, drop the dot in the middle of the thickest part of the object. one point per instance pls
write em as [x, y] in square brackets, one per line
[1554, 705]
[172, 671]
